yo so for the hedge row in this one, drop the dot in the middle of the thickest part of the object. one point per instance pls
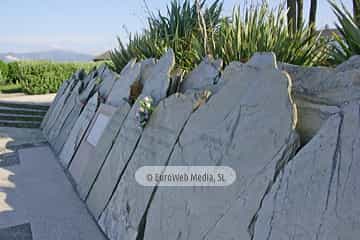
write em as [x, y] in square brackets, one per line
[40, 77]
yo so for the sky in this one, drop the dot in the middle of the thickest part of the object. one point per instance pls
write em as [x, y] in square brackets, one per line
[91, 26]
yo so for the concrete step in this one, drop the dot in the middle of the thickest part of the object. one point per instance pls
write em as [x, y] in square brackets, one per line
[24, 105]
[22, 111]
[21, 117]
[20, 124]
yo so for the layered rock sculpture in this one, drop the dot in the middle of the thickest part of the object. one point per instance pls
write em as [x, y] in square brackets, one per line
[79, 130]
[90, 157]
[317, 195]
[156, 82]
[203, 76]
[228, 131]
[122, 217]
[246, 117]
[319, 91]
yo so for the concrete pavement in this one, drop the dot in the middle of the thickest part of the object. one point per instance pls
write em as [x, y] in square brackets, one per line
[37, 201]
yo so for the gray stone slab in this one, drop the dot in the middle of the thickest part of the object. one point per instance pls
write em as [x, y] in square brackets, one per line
[87, 169]
[324, 87]
[108, 78]
[86, 150]
[156, 85]
[252, 110]
[18, 232]
[263, 60]
[80, 101]
[317, 195]
[121, 218]
[352, 64]
[59, 94]
[203, 76]
[121, 89]
[64, 111]
[157, 77]
[78, 131]
[58, 108]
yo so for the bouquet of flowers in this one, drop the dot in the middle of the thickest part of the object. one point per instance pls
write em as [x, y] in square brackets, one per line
[145, 110]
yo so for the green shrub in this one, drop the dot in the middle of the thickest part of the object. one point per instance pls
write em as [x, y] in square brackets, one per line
[182, 28]
[347, 43]
[40, 77]
[193, 31]
[3, 72]
[262, 29]
[13, 73]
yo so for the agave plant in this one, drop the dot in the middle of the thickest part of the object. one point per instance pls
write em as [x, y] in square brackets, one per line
[347, 43]
[183, 28]
[262, 29]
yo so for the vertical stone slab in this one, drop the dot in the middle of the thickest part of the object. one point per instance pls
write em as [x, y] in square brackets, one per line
[116, 110]
[317, 195]
[86, 150]
[203, 76]
[155, 85]
[248, 126]
[108, 80]
[78, 131]
[59, 94]
[70, 120]
[59, 107]
[65, 111]
[121, 89]
[122, 217]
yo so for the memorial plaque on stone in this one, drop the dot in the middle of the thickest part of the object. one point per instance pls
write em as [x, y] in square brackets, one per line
[156, 86]
[85, 152]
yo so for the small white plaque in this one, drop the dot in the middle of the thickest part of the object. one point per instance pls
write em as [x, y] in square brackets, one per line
[98, 129]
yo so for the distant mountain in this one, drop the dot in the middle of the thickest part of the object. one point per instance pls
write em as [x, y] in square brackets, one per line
[52, 55]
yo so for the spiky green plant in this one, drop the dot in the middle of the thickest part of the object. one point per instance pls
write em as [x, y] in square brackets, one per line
[262, 29]
[180, 28]
[193, 31]
[347, 43]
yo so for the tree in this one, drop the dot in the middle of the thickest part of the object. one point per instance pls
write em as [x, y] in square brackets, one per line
[313, 9]
[291, 5]
[356, 7]
[300, 14]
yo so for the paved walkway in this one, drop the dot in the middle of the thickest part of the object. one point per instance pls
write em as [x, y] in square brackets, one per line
[37, 202]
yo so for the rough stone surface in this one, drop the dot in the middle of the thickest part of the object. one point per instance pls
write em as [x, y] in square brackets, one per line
[121, 89]
[78, 131]
[351, 64]
[155, 85]
[154, 148]
[86, 150]
[157, 77]
[79, 103]
[91, 165]
[317, 195]
[228, 131]
[311, 117]
[66, 109]
[203, 76]
[108, 78]
[58, 96]
[58, 107]
[265, 60]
